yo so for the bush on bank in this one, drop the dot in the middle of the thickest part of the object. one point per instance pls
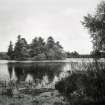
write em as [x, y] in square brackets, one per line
[84, 87]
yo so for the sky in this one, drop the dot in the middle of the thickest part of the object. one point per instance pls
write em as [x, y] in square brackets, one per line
[60, 19]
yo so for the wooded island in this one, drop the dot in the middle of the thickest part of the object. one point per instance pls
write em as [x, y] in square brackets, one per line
[38, 49]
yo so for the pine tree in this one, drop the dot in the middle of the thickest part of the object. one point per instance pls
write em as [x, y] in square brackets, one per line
[10, 52]
[21, 50]
[50, 42]
[37, 46]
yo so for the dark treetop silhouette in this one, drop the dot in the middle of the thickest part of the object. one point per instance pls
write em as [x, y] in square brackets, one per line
[38, 49]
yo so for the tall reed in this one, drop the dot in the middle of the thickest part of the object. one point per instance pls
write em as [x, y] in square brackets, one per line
[86, 85]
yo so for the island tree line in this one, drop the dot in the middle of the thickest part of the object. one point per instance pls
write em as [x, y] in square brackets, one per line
[38, 49]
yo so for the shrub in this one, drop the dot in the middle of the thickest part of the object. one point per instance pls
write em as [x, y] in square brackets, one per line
[85, 87]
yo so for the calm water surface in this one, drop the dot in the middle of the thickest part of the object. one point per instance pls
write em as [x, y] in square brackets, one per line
[46, 72]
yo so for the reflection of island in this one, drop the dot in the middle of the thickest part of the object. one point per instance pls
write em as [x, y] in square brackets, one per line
[36, 72]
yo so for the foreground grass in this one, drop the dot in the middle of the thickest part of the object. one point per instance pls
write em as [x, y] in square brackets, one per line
[45, 98]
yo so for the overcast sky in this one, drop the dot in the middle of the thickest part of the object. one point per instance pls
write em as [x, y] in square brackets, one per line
[57, 18]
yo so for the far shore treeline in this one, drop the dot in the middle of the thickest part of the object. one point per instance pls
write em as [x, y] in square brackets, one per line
[38, 49]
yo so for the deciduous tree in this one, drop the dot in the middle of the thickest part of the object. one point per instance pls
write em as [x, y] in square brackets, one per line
[95, 23]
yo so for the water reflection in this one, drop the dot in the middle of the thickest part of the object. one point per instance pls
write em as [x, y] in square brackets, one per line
[42, 73]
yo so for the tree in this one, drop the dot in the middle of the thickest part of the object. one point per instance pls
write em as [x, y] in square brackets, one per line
[95, 23]
[33, 49]
[54, 49]
[50, 42]
[59, 52]
[21, 50]
[37, 46]
[58, 44]
[41, 45]
[10, 52]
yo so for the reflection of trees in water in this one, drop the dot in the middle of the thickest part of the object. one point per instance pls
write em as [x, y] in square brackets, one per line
[36, 70]
[10, 70]
[20, 74]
